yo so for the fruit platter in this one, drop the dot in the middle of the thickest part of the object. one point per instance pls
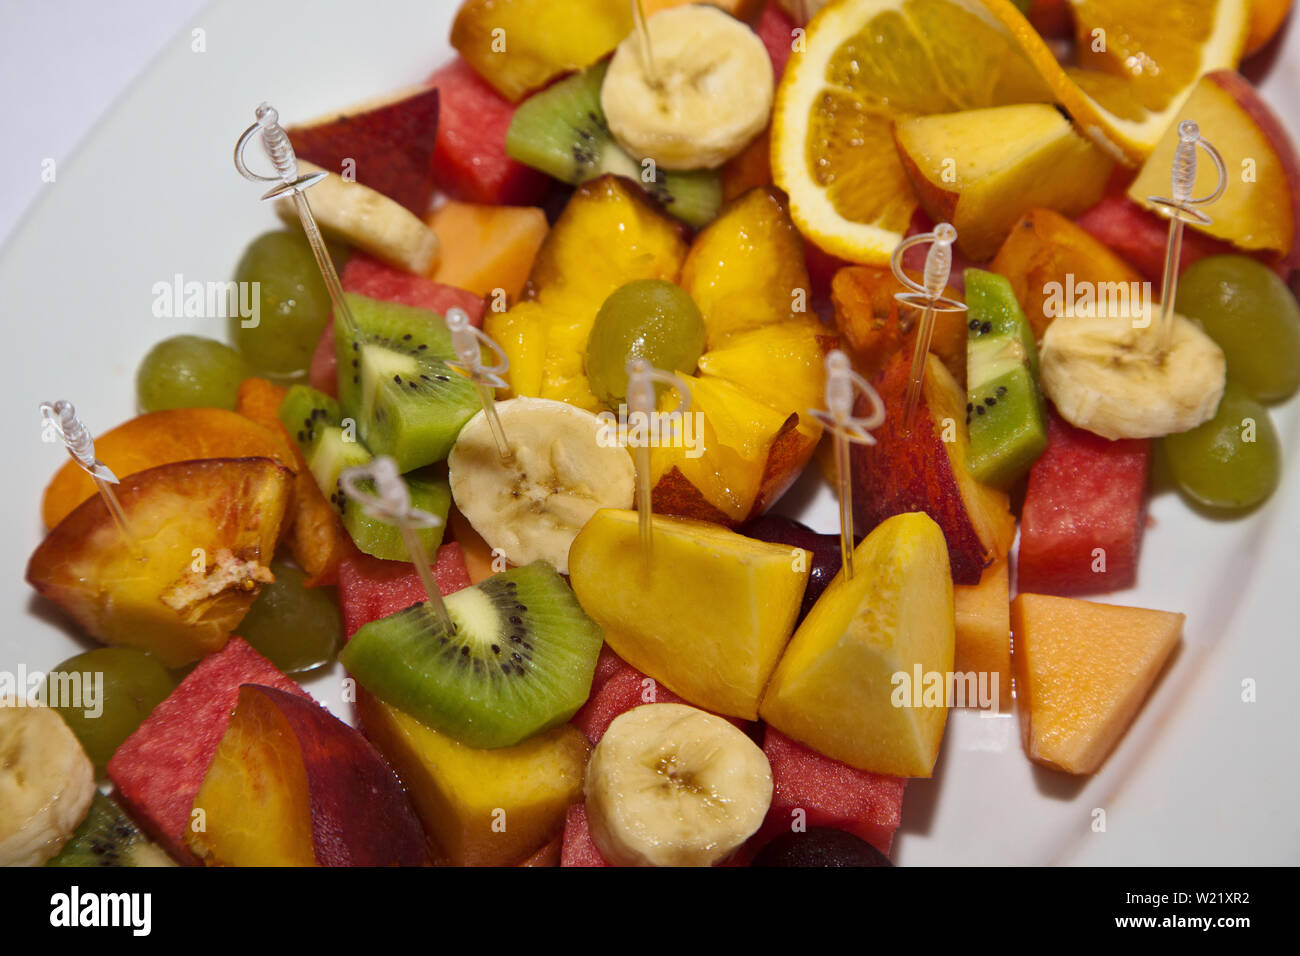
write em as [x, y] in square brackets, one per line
[776, 433]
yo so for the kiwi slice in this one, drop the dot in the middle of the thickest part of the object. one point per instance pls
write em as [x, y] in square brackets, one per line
[1005, 411]
[519, 660]
[562, 131]
[314, 420]
[394, 381]
[107, 837]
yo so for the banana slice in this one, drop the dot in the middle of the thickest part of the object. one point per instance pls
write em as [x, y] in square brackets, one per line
[367, 219]
[1104, 375]
[560, 474]
[711, 92]
[46, 784]
[670, 785]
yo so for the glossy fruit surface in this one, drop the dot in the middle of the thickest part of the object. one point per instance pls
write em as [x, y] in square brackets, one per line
[293, 304]
[296, 628]
[1232, 461]
[189, 371]
[1254, 318]
[650, 319]
[820, 847]
[104, 694]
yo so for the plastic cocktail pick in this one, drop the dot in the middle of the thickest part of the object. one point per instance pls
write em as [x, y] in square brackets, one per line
[641, 378]
[843, 385]
[390, 501]
[81, 446]
[643, 37]
[276, 143]
[1179, 210]
[929, 297]
[466, 340]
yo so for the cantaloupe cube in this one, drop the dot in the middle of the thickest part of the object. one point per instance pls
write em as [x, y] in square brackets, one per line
[484, 248]
[1082, 671]
[983, 644]
[482, 807]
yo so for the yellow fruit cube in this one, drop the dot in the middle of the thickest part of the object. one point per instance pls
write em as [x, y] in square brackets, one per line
[983, 618]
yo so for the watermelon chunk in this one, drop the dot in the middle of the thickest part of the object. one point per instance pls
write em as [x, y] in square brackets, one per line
[158, 769]
[390, 147]
[830, 793]
[578, 849]
[1139, 235]
[1085, 510]
[370, 588]
[469, 159]
[375, 280]
[776, 30]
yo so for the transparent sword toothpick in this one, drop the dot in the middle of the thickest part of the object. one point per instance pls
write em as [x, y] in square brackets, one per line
[62, 416]
[467, 341]
[843, 386]
[288, 183]
[1180, 210]
[641, 378]
[390, 501]
[643, 41]
[928, 297]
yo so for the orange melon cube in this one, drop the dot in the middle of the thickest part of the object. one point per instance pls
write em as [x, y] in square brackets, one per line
[1082, 672]
[983, 637]
[485, 248]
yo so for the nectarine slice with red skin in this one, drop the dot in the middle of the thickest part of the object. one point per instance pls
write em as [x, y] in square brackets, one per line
[1082, 672]
[292, 785]
[159, 438]
[203, 534]
[159, 768]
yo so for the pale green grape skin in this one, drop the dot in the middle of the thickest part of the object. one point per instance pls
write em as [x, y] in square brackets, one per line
[1249, 311]
[130, 684]
[294, 304]
[297, 628]
[1216, 465]
[189, 371]
[650, 319]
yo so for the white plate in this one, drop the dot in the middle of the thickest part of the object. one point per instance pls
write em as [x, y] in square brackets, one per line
[1201, 778]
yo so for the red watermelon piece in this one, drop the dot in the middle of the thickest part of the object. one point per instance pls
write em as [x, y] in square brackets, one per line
[578, 849]
[1085, 492]
[158, 769]
[1139, 236]
[370, 588]
[775, 29]
[830, 793]
[375, 280]
[390, 147]
[469, 159]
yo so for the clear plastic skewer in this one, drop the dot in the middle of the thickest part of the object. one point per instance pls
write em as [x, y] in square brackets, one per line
[643, 38]
[288, 183]
[843, 385]
[928, 297]
[641, 378]
[81, 446]
[391, 502]
[1179, 210]
[467, 341]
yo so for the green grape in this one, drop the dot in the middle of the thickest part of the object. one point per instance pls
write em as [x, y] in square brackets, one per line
[126, 685]
[650, 319]
[1249, 311]
[1231, 462]
[297, 628]
[293, 303]
[188, 371]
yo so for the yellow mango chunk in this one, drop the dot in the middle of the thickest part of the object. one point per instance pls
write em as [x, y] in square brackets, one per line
[707, 615]
[1082, 672]
[847, 685]
[482, 807]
